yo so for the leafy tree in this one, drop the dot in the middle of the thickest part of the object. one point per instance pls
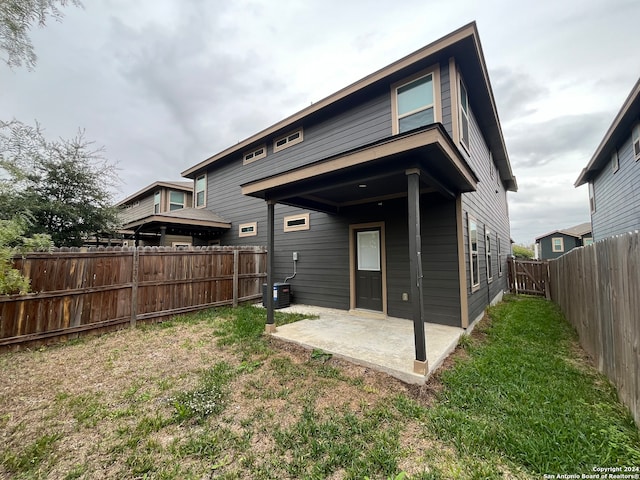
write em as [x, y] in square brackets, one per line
[16, 19]
[520, 251]
[12, 242]
[63, 185]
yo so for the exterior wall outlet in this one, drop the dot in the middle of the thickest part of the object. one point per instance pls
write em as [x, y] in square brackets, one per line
[405, 297]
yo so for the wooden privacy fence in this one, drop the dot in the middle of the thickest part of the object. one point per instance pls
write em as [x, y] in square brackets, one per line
[598, 290]
[528, 276]
[103, 289]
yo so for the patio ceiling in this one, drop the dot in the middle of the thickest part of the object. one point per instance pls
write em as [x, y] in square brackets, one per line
[374, 172]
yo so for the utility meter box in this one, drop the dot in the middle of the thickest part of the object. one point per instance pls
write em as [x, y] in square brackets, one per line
[281, 295]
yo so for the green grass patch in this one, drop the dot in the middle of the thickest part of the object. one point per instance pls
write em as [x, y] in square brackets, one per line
[30, 459]
[522, 396]
[208, 398]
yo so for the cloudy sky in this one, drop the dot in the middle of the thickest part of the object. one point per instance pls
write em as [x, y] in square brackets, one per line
[163, 84]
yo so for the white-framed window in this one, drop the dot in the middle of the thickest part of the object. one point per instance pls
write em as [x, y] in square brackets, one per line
[200, 198]
[557, 244]
[181, 244]
[592, 197]
[499, 249]
[464, 115]
[288, 140]
[176, 200]
[293, 223]
[587, 241]
[254, 155]
[473, 253]
[414, 103]
[636, 141]
[615, 161]
[156, 202]
[248, 229]
[489, 253]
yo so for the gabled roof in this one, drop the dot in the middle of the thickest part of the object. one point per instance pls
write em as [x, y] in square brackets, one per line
[173, 185]
[463, 44]
[618, 132]
[577, 231]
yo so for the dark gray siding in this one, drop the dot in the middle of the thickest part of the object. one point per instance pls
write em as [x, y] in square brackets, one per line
[617, 196]
[445, 98]
[546, 245]
[488, 205]
[360, 125]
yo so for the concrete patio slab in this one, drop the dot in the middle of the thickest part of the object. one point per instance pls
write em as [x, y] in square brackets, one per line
[383, 344]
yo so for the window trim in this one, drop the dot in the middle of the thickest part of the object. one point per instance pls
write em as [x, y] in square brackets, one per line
[553, 244]
[182, 205]
[635, 141]
[157, 201]
[488, 254]
[474, 286]
[462, 113]
[195, 191]
[252, 233]
[434, 70]
[288, 142]
[254, 155]
[615, 161]
[295, 228]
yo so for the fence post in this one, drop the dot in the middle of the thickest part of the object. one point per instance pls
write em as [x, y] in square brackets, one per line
[134, 287]
[236, 255]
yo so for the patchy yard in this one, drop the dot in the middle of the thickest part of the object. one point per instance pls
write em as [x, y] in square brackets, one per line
[206, 396]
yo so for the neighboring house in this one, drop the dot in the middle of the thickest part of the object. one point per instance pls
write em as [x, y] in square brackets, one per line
[391, 193]
[161, 214]
[613, 173]
[559, 242]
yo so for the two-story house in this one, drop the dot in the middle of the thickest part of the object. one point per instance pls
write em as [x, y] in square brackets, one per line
[557, 243]
[390, 194]
[161, 214]
[613, 173]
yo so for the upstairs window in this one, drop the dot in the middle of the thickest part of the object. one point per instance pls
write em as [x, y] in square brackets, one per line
[176, 200]
[592, 197]
[156, 202]
[288, 140]
[636, 141]
[415, 103]
[557, 244]
[464, 115]
[254, 155]
[615, 161]
[201, 190]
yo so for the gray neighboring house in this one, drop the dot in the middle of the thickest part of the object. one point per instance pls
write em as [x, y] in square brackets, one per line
[161, 214]
[391, 193]
[613, 173]
[557, 243]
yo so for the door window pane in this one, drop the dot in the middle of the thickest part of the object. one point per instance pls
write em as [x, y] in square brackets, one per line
[369, 251]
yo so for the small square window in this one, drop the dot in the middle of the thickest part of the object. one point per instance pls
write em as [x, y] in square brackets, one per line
[248, 229]
[557, 244]
[294, 223]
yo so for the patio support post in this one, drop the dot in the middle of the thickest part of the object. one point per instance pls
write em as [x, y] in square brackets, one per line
[270, 327]
[420, 364]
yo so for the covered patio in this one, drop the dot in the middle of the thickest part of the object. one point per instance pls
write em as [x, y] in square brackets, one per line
[382, 344]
